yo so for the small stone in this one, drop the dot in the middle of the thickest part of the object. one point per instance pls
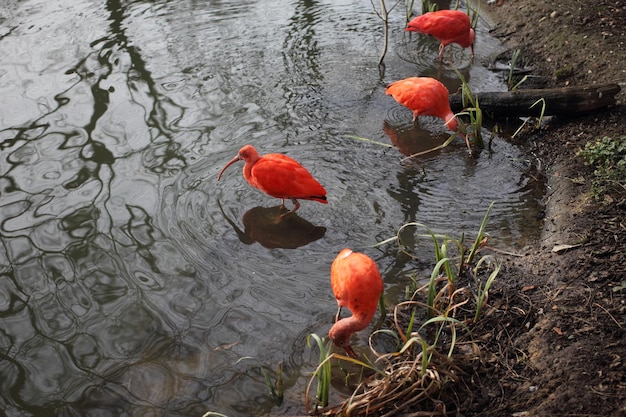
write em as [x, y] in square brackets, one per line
[554, 14]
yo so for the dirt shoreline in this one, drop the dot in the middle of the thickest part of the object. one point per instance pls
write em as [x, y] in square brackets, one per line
[558, 318]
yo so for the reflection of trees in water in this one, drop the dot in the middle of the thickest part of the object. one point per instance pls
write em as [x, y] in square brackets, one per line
[301, 58]
[71, 157]
[82, 260]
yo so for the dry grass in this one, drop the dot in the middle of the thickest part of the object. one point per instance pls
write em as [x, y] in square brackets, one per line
[416, 380]
[426, 371]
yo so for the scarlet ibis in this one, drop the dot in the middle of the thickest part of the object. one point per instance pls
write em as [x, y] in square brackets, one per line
[447, 26]
[279, 176]
[424, 96]
[357, 285]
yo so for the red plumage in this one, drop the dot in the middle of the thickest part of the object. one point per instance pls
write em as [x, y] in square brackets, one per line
[278, 176]
[424, 96]
[447, 26]
[357, 285]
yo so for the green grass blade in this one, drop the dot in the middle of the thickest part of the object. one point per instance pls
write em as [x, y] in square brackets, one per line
[323, 371]
[483, 291]
[362, 139]
[426, 355]
[480, 236]
[432, 289]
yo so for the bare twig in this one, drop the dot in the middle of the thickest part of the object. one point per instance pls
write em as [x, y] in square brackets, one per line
[385, 17]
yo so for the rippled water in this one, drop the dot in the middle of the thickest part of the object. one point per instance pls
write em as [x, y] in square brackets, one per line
[132, 282]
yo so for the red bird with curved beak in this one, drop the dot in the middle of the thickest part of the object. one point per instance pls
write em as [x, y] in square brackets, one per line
[278, 176]
[447, 26]
[357, 285]
[425, 96]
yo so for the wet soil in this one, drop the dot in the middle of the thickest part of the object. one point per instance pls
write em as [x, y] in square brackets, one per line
[554, 336]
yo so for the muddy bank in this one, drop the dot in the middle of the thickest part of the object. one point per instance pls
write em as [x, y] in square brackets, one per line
[558, 346]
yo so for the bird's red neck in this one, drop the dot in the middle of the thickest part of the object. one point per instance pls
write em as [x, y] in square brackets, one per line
[451, 121]
[250, 157]
[342, 330]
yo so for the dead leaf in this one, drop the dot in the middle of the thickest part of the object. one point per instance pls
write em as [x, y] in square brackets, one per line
[564, 247]
[528, 288]
[226, 346]
[558, 331]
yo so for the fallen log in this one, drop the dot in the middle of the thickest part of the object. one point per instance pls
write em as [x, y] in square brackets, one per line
[564, 101]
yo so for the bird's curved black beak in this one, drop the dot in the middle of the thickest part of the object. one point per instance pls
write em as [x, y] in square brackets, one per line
[232, 161]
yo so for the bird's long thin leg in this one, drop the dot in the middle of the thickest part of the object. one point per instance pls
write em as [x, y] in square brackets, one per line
[337, 318]
[351, 352]
[440, 52]
[296, 205]
[280, 216]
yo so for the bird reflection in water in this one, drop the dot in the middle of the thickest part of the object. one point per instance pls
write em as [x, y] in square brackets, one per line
[414, 140]
[266, 226]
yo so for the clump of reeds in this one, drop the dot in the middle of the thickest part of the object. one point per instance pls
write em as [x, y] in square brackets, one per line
[419, 376]
[471, 108]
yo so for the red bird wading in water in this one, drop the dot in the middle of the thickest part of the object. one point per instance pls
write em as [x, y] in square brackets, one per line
[425, 96]
[447, 26]
[279, 176]
[357, 285]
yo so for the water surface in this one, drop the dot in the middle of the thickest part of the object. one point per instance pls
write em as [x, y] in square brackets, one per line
[133, 283]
